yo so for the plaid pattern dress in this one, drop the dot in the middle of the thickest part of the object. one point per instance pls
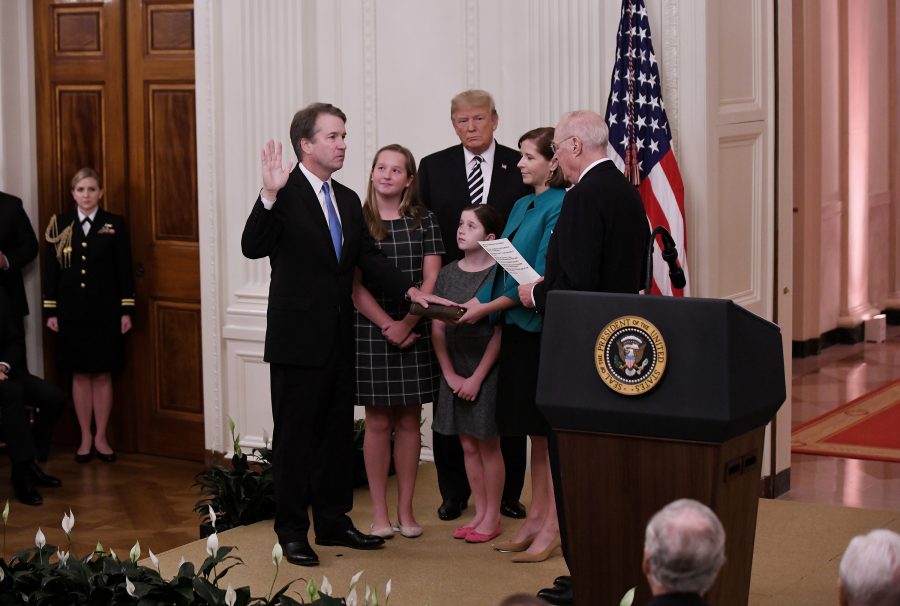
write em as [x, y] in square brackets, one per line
[387, 375]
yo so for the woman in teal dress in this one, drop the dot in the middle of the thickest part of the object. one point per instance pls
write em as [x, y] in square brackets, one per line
[529, 227]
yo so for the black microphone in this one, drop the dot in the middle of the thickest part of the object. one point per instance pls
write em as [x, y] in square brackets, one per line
[669, 255]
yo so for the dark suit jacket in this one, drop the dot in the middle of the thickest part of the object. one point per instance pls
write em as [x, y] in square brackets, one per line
[600, 241]
[310, 304]
[677, 599]
[12, 339]
[18, 243]
[443, 187]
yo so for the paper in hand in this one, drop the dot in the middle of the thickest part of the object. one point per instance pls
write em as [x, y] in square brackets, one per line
[511, 260]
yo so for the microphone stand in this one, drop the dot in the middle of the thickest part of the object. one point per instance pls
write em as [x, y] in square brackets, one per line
[669, 255]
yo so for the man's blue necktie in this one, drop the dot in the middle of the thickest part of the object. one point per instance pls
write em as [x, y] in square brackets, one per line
[334, 224]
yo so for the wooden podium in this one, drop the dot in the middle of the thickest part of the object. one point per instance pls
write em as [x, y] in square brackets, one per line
[697, 431]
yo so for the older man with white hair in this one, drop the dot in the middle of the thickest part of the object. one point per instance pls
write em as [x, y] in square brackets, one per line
[870, 570]
[684, 548]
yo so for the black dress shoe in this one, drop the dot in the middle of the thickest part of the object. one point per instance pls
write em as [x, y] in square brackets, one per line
[300, 553]
[558, 596]
[84, 458]
[351, 538]
[513, 509]
[562, 581]
[42, 479]
[450, 509]
[23, 486]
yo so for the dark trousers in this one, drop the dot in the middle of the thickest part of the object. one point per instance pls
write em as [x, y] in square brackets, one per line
[553, 447]
[451, 468]
[26, 443]
[312, 461]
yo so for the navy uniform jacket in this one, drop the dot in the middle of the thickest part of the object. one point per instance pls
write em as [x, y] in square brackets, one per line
[90, 291]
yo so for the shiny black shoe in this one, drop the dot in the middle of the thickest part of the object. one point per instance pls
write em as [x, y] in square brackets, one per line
[352, 538]
[450, 509]
[42, 479]
[84, 458]
[300, 553]
[106, 458]
[513, 509]
[23, 487]
[558, 596]
[562, 581]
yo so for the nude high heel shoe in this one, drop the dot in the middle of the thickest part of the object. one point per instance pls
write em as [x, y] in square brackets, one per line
[528, 558]
[513, 546]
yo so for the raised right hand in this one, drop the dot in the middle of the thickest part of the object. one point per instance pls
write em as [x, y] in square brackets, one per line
[273, 173]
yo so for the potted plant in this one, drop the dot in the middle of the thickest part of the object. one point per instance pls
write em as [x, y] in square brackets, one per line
[238, 496]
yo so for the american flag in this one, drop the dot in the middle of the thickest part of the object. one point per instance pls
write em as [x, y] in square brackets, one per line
[640, 141]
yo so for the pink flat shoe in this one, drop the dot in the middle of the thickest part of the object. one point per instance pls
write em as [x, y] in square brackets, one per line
[477, 537]
[462, 532]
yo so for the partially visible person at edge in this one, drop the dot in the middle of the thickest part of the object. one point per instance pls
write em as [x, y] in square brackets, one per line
[89, 303]
[395, 367]
[478, 170]
[467, 353]
[529, 227]
[870, 570]
[599, 245]
[684, 549]
[312, 229]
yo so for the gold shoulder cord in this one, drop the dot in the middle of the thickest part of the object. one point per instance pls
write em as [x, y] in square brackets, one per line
[61, 241]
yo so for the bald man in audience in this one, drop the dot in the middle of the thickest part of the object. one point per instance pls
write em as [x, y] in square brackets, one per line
[870, 570]
[684, 549]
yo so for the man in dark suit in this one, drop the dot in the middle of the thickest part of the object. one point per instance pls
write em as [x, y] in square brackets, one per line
[313, 232]
[599, 244]
[25, 444]
[477, 171]
[684, 549]
[18, 248]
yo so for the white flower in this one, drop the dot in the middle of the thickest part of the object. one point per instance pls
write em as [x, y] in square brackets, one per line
[352, 599]
[277, 553]
[2, 575]
[212, 517]
[129, 586]
[326, 586]
[230, 596]
[628, 598]
[39, 539]
[355, 579]
[98, 548]
[387, 591]
[368, 593]
[154, 559]
[68, 522]
[6, 512]
[135, 552]
[212, 544]
[63, 556]
[112, 553]
[265, 438]
[181, 563]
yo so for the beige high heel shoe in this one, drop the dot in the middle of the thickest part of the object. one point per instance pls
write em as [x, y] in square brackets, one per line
[529, 558]
[513, 546]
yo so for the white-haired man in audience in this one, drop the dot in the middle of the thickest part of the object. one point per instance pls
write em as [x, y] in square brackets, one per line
[870, 570]
[684, 548]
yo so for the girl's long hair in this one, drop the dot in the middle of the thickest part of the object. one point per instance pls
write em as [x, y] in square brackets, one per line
[409, 201]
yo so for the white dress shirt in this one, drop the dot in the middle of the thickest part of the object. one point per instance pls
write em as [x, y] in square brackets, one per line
[487, 167]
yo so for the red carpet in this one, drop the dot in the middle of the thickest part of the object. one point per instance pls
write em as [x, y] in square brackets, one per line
[866, 428]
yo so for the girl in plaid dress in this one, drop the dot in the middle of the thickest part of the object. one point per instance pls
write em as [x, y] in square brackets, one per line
[395, 368]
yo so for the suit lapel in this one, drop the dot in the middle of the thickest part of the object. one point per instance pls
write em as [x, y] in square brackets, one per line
[499, 176]
[309, 212]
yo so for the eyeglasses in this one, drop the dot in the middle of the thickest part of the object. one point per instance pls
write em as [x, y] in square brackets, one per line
[554, 146]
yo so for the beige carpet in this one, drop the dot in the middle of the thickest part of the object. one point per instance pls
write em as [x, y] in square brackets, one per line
[798, 548]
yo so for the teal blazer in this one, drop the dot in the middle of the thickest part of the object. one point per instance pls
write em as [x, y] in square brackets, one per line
[530, 224]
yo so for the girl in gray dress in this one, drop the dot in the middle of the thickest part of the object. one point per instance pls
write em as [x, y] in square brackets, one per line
[467, 354]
